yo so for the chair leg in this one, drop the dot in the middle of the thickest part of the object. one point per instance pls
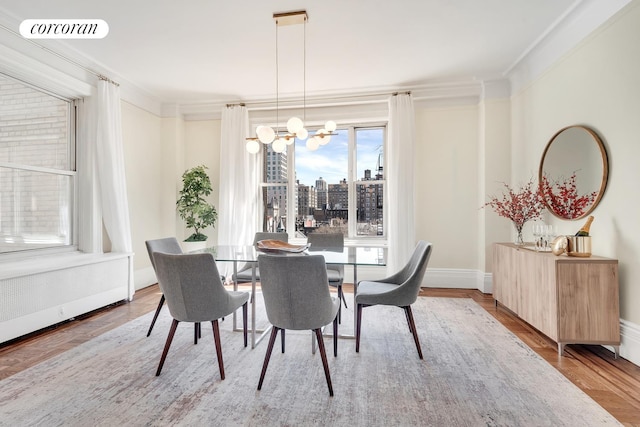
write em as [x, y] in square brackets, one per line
[358, 322]
[167, 344]
[244, 321]
[282, 339]
[196, 333]
[335, 338]
[412, 327]
[406, 315]
[155, 316]
[344, 300]
[267, 356]
[323, 355]
[216, 338]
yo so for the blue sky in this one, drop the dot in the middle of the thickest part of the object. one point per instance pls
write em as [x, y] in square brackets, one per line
[330, 161]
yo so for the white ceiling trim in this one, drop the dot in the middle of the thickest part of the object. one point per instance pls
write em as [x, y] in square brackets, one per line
[585, 17]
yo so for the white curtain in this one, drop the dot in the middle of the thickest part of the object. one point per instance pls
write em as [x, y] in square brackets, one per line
[239, 212]
[401, 188]
[90, 219]
[111, 171]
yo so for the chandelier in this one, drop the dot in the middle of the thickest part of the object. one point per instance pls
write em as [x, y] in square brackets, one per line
[295, 125]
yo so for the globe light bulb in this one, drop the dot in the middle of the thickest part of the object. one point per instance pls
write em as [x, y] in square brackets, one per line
[312, 144]
[302, 134]
[266, 135]
[279, 145]
[252, 146]
[294, 125]
[330, 126]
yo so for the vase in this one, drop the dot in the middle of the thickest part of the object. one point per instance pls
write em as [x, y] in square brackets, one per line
[519, 240]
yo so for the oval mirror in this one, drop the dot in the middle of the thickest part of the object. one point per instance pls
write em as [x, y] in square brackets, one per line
[573, 172]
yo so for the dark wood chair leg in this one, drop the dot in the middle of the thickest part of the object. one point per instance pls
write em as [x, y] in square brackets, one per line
[323, 355]
[282, 339]
[167, 344]
[244, 322]
[335, 338]
[344, 300]
[155, 316]
[412, 327]
[406, 315]
[216, 338]
[267, 356]
[195, 333]
[358, 323]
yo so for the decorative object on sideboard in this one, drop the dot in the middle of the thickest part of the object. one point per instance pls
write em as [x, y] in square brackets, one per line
[579, 245]
[573, 172]
[559, 245]
[519, 205]
[543, 234]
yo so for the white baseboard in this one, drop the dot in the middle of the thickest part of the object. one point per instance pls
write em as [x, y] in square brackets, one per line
[630, 341]
[455, 279]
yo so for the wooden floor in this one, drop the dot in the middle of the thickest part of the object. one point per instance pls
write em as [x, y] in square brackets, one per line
[614, 384]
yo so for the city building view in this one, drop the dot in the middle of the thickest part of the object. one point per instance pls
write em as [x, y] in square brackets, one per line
[321, 204]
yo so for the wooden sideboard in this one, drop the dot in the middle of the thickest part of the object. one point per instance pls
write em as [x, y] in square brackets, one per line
[571, 300]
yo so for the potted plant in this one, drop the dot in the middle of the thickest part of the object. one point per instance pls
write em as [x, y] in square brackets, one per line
[192, 206]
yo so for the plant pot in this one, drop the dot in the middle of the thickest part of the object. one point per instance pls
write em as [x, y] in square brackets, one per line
[193, 246]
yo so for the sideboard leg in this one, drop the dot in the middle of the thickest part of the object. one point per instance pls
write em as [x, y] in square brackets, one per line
[560, 349]
[616, 351]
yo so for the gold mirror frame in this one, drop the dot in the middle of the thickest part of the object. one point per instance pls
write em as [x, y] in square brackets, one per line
[573, 158]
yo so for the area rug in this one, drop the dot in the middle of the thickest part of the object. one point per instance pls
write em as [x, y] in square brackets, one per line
[474, 373]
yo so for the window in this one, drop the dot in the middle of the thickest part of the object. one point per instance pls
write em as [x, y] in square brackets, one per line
[327, 193]
[37, 168]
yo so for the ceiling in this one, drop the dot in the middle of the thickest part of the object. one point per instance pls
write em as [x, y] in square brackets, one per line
[204, 50]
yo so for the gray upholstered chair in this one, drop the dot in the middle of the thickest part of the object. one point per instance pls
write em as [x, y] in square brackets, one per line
[297, 297]
[244, 273]
[168, 245]
[194, 293]
[335, 273]
[400, 289]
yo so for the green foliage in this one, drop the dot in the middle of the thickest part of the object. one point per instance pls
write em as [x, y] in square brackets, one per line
[192, 206]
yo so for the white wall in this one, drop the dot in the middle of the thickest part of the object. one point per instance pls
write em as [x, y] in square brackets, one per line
[202, 147]
[597, 84]
[150, 185]
[446, 166]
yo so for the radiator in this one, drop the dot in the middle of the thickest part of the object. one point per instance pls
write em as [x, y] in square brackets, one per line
[38, 293]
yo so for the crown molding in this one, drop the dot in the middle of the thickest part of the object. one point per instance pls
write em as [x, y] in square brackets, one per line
[563, 35]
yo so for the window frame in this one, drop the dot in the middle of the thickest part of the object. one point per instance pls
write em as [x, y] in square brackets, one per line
[352, 181]
[71, 172]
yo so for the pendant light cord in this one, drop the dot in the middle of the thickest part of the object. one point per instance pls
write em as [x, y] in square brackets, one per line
[304, 74]
[277, 85]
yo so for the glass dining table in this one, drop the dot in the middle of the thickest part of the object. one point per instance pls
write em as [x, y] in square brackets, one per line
[354, 256]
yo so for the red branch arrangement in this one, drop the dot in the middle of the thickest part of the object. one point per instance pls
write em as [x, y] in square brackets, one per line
[563, 198]
[520, 206]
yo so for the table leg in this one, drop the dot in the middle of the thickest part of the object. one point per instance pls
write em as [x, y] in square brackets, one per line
[253, 305]
[235, 288]
[355, 291]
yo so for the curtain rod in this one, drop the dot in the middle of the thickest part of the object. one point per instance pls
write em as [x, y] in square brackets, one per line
[61, 56]
[324, 98]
